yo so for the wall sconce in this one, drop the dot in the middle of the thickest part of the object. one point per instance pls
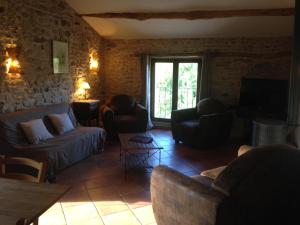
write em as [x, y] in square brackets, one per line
[12, 62]
[85, 86]
[93, 64]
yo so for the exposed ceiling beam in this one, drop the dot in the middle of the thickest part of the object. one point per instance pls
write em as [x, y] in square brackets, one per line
[194, 15]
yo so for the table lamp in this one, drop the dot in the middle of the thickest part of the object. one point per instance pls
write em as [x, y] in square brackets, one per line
[85, 86]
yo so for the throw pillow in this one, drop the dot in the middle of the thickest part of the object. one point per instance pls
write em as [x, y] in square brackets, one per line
[61, 122]
[35, 131]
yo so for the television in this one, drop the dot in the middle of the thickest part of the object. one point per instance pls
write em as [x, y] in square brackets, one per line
[263, 98]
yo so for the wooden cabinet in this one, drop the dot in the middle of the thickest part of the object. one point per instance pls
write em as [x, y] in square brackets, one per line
[86, 111]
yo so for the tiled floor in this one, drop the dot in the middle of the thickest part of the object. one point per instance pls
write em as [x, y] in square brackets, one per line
[101, 195]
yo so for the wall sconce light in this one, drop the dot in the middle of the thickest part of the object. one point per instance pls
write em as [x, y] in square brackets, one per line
[85, 86]
[12, 63]
[94, 65]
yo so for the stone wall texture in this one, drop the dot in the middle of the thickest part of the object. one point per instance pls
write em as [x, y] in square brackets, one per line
[32, 25]
[231, 59]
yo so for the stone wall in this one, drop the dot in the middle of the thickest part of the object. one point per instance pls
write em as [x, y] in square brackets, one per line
[231, 59]
[32, 25]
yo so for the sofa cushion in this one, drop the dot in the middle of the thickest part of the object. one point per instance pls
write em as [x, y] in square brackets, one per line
[263, 187]
[61, 122]
[257, 167]
[71, 147]
[35, 131]
[210, 105]
[10, 130]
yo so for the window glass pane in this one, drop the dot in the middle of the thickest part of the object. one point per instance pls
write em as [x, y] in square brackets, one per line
[163, 90]
[187, 85]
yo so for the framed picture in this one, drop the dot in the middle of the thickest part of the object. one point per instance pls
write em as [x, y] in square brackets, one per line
[60, 57]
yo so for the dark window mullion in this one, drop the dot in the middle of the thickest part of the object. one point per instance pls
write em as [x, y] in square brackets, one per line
[175, 85]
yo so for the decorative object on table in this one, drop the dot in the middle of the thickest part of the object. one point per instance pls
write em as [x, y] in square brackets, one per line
[60, 57]
[141, 139]
[122, 114]
[86, 111]
[85, 86]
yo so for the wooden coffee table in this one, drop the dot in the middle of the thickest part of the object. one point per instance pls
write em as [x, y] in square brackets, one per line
[139, 151]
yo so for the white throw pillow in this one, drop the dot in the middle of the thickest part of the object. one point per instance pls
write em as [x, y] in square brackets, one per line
[61, 122]
[35, 131]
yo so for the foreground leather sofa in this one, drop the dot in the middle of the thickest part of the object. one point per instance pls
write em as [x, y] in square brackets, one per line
[122, 114]
[259, 187]
[207, 125]
[61, 151]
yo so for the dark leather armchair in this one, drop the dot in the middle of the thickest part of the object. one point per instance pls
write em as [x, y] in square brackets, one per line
[123, 115]
[259, 187]
[207, 125]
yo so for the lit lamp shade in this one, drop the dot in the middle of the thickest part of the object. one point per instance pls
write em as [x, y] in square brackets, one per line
[85, 85]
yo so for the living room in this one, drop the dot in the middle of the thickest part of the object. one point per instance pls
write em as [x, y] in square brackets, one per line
[131, 111]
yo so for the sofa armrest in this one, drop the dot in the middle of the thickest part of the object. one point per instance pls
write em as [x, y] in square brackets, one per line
[107, 115]
[178, 199]
[184, 114]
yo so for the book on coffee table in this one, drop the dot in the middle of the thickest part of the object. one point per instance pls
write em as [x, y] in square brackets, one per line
[141, 139]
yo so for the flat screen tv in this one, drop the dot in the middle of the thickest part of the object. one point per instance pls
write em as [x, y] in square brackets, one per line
[263, 98]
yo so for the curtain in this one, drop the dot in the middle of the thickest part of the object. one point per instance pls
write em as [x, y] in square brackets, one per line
[205, 80]
[146, 85]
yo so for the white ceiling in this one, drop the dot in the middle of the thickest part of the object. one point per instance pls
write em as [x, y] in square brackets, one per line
[180, 28]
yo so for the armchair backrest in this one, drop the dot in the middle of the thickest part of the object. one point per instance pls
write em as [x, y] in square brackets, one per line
[122, 104]
[209, 106]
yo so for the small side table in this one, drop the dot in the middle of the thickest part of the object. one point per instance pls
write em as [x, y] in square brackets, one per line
[86, 111]
[267, 132]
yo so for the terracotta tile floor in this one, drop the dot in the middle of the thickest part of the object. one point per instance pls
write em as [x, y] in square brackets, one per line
[101, 195]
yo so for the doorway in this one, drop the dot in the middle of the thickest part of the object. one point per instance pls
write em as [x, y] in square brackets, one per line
[175, 85]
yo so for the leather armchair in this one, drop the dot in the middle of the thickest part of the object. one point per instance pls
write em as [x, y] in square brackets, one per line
[259, 187]
[207, 125]
[123, 114]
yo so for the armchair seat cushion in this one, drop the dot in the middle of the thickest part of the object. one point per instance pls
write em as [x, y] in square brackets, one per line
[125, 119]
[190, 124]
[188, 128]
[126, 123]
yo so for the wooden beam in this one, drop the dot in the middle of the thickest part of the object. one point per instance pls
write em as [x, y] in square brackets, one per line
[194, 15]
